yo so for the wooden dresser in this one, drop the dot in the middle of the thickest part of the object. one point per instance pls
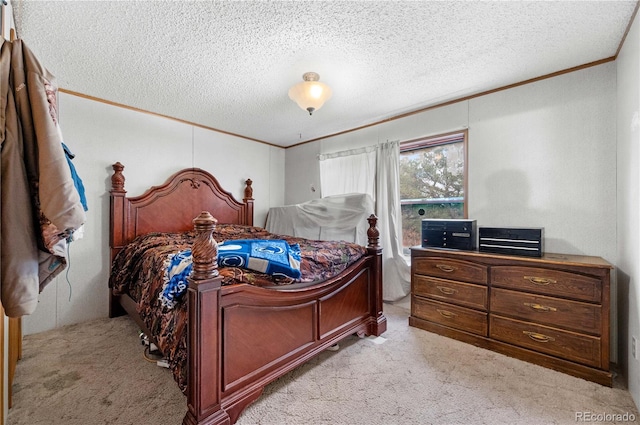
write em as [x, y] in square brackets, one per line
[552, 311]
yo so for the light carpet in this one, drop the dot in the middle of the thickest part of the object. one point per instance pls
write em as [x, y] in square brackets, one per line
[95, 373]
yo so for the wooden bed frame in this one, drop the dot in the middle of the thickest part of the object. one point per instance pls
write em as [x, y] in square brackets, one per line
[242, 337]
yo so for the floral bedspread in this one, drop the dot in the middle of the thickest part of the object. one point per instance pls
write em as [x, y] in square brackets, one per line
[138, 270]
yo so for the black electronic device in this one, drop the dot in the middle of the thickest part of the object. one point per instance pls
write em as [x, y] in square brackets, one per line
[449, 233]
[528, 242]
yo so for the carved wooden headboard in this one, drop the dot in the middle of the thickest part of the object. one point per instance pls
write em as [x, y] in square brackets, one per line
[172, 206]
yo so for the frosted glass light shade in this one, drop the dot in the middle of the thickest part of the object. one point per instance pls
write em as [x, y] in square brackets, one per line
[310, 94]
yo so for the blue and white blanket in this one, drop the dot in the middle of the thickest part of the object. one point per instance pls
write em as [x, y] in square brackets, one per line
[177, 269]
[271, 256]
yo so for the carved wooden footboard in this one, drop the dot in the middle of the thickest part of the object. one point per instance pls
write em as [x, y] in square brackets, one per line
[242, 337]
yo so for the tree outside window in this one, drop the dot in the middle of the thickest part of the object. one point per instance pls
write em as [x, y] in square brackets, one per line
[432, 182]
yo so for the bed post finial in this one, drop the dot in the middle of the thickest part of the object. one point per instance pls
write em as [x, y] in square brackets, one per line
[373, 233]
[248, 191]
[248, 203]
[117, 179]
[205, 248]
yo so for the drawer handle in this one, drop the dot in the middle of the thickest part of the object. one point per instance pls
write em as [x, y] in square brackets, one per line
[539, 280]
[446, 268]
[446, 291]
[541, 308]
[539, 337]
[447, 314]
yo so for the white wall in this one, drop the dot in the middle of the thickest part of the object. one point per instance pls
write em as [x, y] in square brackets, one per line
[301, 166]
[544, 155]
[151, 148]
[628, 264]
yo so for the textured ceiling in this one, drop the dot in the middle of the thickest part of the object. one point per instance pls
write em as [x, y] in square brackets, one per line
[228, 65]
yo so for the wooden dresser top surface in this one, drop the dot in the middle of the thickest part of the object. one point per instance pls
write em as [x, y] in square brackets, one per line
[554, 258]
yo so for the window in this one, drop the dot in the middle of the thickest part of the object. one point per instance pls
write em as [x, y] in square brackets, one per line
[433, 182]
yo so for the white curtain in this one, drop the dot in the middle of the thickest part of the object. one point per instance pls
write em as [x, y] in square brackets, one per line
[351, 171]
[356, 171]
[396, 270]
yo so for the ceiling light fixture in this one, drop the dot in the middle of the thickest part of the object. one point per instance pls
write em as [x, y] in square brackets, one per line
[310, 94]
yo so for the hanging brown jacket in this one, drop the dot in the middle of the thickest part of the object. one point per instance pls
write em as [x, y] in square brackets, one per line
[40, 205]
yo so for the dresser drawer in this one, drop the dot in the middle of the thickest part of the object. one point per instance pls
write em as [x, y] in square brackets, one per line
[568, 345]
[449, 268]
[449, 315]
[547, 281]
[465, 294]
[568, 314]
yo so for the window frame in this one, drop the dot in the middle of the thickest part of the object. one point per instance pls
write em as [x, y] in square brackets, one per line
[445, 139]
[460, 136]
